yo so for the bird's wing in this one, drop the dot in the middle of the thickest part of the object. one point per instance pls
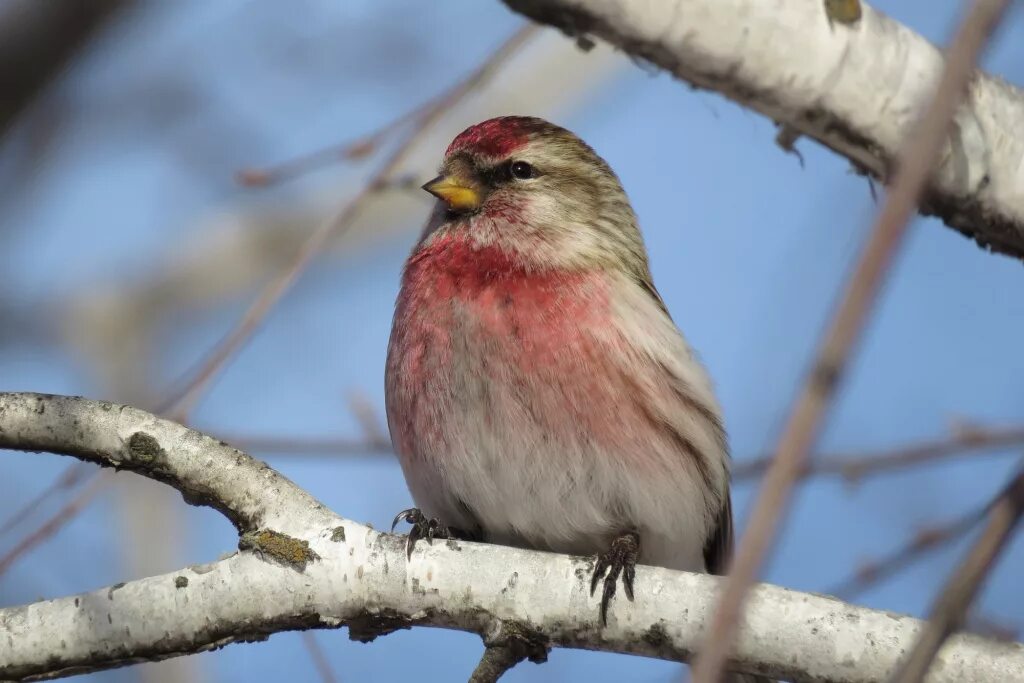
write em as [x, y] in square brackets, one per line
[718, 549]
[719, 546]
[685, 373]
[645, 282]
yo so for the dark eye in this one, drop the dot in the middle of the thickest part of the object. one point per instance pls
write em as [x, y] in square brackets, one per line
[521, 170]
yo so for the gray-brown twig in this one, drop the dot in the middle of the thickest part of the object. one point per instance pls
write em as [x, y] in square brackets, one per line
[72, 475]
[855, 466]
[354, 150]
[850, 466]
[919, 544]
[311, 445]
[316, 653]
[180, 402]
[956, 596]
[915, 163]
[52, 525]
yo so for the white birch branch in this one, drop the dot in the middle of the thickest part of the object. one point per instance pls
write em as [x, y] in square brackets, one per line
[856, 87]
[302, 566]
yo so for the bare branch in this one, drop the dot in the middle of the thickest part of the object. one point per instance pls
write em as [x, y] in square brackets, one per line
[855, 87]
[37, 40]
[856, 466]
[181, 403]
[356, 150]
[67, 480]
[316, 653]
[302, 566]
[807, 417]
[126, 438]
[373, 426]
[850, 466]
[919, 544]
[990, 627]
[956, 596]
[52, 525]
[308, 445]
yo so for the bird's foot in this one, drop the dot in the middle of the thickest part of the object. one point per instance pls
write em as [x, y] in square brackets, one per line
[423, 527]
[621, 559]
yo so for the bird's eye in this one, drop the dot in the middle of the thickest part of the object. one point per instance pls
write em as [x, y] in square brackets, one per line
[521, 170]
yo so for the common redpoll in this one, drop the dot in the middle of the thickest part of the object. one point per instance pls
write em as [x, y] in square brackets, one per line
[538, 392]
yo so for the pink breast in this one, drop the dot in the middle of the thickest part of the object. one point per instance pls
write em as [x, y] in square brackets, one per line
[540, 342]
[531, 314]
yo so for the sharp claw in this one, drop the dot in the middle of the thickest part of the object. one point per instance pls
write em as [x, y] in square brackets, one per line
[607, 594]
[628, 576]
[421, 528]
[599, 571]
[410, 541]
[403, 515]
[619, 560]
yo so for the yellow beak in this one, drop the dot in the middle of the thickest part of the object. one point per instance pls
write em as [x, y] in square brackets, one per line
[454, 192]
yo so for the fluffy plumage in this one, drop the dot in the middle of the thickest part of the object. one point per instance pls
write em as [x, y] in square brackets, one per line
[538, 392]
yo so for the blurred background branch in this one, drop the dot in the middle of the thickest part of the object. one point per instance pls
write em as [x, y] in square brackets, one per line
[916, 163]
[181, 402]
[38, 40]
[954, 599]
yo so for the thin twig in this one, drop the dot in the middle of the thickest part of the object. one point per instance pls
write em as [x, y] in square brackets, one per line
[353, 150]
[323, 446]
[365, 412]
[316, 653]
[72, 475]
[916, 160]
[180, 403]
[956, 596]
[920, 544]
[52, 525]
[849, 466]
[992, 627]
[854, 467]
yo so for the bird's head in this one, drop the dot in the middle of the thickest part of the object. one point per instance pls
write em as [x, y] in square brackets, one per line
[532, 187]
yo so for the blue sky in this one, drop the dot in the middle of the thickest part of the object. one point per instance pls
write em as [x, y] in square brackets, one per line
[747, 246]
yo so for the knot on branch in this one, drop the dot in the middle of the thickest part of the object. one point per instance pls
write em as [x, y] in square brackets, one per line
[512, 643]
[144, 449]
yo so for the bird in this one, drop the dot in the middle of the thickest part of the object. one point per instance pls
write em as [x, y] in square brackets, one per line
[538, 392]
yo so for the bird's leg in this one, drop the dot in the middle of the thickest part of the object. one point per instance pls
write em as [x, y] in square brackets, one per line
[620, 558]
[424, 527]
